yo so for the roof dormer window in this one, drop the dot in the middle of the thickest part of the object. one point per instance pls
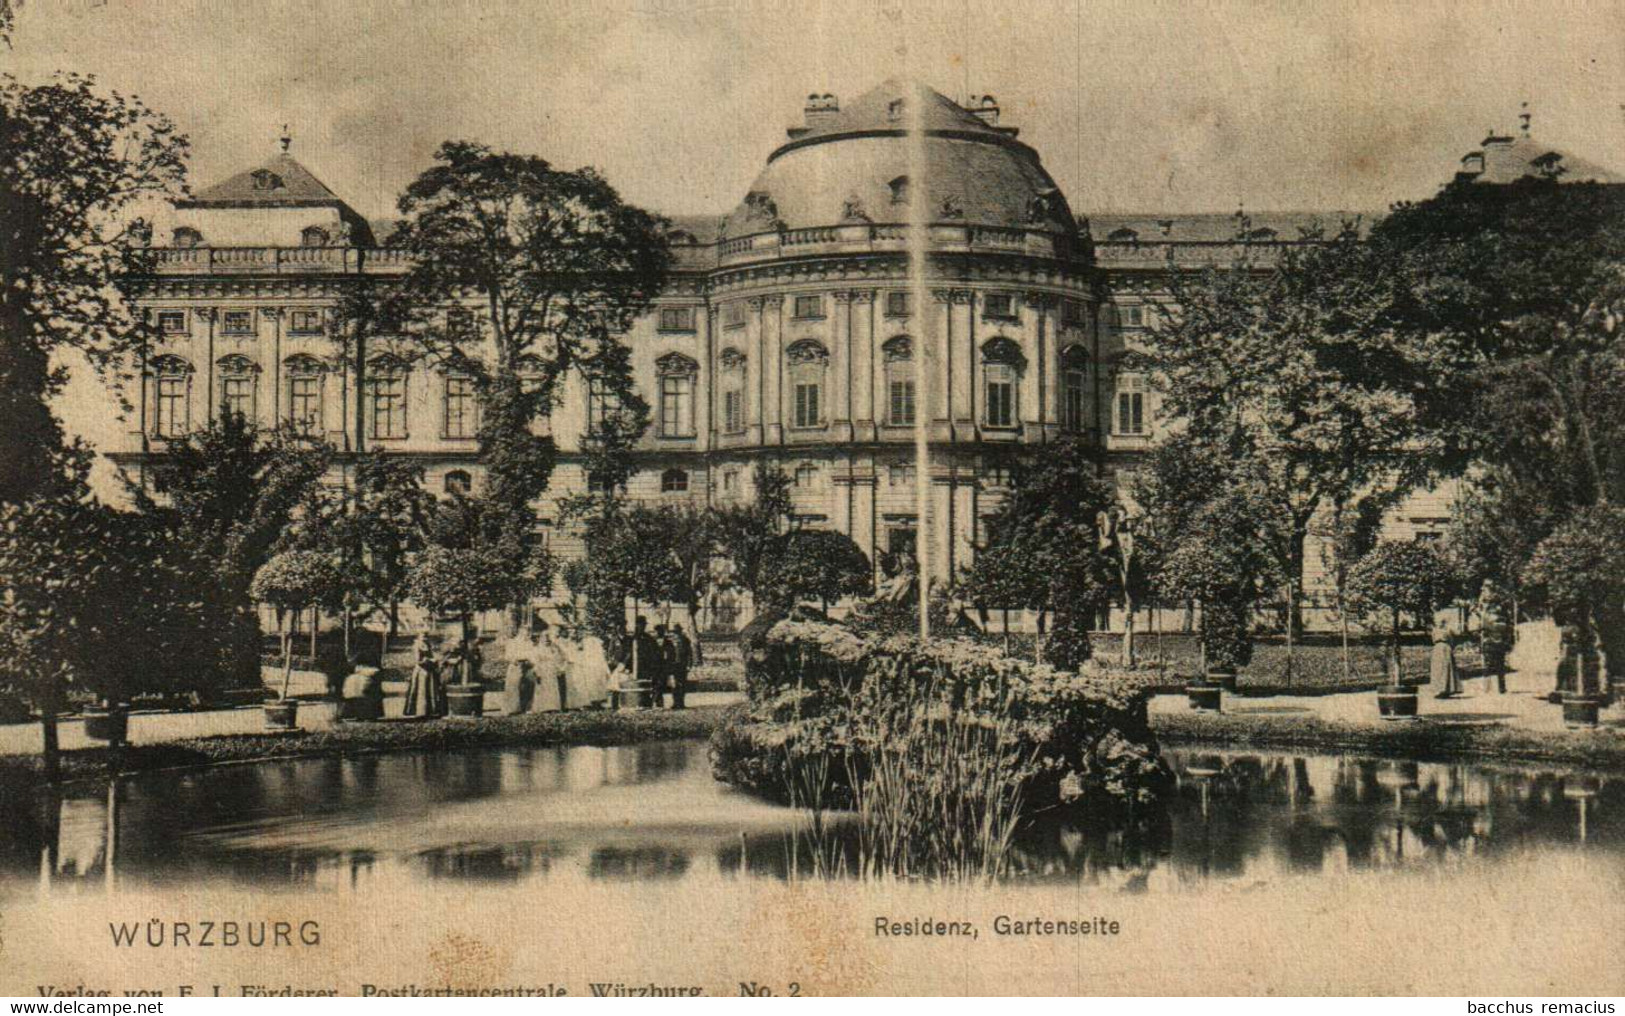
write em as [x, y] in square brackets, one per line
[265, 180]
[896, 109]
[1124, 235]
[186, 236]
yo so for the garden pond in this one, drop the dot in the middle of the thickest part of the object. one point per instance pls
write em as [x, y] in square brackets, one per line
[535, 816]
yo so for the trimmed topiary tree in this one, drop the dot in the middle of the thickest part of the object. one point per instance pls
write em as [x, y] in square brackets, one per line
[292, 581]
[1400, 577]
[1580, 570]
[818, 564]
[461, 582]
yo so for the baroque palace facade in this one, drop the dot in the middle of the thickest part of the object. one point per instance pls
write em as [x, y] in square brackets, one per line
[789, 329]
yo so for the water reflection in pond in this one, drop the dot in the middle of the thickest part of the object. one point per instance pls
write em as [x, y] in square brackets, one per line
[653, 812]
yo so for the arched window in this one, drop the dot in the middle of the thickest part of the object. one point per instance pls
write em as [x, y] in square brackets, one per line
[899, 190]
[808, 361]
[314, 236]
[677, 375]
[458, 483]
[239, 386]
[385, 393]
[673, 481]
[460, 399]
[171, 396]
[264, 179]
[305, 378]
[186, 236]
[899, 354]
[733, 391]
[1001, 382]
[1075, 389]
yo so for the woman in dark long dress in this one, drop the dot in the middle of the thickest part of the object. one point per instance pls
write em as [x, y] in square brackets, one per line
[1442, 672]
[426, 692]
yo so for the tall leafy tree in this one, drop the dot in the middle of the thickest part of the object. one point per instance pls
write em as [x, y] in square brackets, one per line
[1043, 551]
[228, 494]
[74, 164]
[522, 274]
[1517, 292]
[1296, 368]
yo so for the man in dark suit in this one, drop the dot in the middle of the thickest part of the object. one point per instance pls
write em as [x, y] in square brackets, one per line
[680, 657]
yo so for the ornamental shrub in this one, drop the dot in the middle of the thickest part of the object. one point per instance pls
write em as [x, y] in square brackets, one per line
[825, 696]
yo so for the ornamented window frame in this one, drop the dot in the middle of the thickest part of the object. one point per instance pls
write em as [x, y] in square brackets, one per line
[808, 361]
[236, 369]
[900, 369]
[304, 367]
[171, 378]
[393, 370]
[678, 377]
[1003, 365]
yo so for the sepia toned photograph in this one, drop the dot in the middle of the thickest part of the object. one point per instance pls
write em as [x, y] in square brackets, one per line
[532, 498]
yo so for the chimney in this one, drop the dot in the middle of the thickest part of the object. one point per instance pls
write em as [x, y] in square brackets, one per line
[984, 108]
[821, 109]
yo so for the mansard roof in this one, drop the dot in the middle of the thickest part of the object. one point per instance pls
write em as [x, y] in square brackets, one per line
[281, 182]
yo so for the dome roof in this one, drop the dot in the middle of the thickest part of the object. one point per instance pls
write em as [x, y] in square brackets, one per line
[852, 165]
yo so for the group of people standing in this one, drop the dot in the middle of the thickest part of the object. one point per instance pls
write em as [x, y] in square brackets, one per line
[659, 662]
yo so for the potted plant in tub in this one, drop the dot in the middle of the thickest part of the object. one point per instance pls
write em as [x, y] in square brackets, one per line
[459, 582]
[292, 581]
[1580, 568]
[1396, 578]
[1221, 559]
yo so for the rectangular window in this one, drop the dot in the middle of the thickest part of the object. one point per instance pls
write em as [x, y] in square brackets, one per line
[305, 403]
[1074, 407]
[677, 406]
[601, 405]
[1130, 413]
[809, 307]
[237, 396]
[1072, 314]
[170, 408]
[901, 403]
[305, 322]
[172, 322]
[237, 322]
[1001, 396]
[733, 314]
[677, 319]
[733, 411]
[462, 408]
[1131, 390]
[999, 305]
[387, 407]
[897, 304]
[806, 414]
[899, 476]
[1132, 316]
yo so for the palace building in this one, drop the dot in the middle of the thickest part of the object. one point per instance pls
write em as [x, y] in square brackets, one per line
[789, 329]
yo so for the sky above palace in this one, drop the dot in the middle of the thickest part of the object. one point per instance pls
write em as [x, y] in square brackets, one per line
[1146, 105]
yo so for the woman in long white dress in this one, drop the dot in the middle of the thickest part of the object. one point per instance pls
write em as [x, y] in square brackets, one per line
[591, 671]
[548, 665]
